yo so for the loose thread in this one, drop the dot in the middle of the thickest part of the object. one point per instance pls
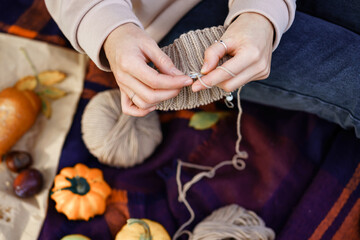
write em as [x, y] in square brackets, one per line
[209, 172]
[239, 154]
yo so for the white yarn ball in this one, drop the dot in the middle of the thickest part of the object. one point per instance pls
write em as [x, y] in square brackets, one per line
[117, 139]
[232, 222]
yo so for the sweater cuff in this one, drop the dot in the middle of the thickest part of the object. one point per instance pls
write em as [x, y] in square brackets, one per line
[275, 10]
[98, 23]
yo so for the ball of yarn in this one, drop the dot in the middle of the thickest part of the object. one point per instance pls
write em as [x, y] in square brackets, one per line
[232, 222]
[115, 138]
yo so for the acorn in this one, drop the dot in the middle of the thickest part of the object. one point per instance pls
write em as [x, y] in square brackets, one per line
[16, 161]
[28, 183]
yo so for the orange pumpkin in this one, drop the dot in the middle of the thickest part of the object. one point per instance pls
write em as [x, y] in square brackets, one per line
[80, 192]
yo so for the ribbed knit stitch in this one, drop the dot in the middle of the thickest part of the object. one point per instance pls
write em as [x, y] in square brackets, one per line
[187, 53]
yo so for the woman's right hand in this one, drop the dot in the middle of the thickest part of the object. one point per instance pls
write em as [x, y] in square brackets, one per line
[128, 50]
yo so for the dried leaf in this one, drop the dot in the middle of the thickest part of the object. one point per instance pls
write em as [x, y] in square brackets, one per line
[52, 92]
[204, 120]
[45, 107]
[26, 83]
[48, 78]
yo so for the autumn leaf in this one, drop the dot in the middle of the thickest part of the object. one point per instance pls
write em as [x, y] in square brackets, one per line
[204, 120]
[26, 83]
[45, 107]
[52, 92]
[51, 77]
[41, 84]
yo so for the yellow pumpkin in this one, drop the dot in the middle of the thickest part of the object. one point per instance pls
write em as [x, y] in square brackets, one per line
[75, 237]
[80, 192]
[142, 229]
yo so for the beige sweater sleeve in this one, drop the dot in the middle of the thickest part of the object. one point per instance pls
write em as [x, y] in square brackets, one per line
[281, 13]
[87, 23]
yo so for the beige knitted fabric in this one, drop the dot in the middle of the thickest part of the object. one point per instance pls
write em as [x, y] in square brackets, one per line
[187, 53]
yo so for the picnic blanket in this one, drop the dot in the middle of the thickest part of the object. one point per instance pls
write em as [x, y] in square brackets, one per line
[302, 175]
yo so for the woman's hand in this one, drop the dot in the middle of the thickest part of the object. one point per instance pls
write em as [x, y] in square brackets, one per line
[249, 40]
[128, 50]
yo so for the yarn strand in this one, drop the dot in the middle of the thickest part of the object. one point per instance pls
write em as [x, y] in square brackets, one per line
[239, 154]
[209, 172]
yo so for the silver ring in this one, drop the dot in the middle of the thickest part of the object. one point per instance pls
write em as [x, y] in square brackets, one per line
[222, 42]
[226, 70]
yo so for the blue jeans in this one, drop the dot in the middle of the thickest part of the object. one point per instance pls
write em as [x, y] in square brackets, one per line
[316, 67]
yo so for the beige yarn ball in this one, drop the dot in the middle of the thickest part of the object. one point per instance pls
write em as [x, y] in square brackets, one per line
[117, 139]
[232, 222]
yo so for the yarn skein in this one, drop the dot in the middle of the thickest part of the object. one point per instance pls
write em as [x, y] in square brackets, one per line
[232, 222]
[115, 138]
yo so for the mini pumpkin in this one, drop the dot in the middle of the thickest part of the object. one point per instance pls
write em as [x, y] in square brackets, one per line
[142, 229]
[80, 192]
[75, 237]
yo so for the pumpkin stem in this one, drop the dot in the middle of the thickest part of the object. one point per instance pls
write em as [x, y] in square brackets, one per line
[80, 188]
[79, 185]
[147, 235]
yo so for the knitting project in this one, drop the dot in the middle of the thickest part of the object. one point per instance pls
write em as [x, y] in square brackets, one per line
[187, 53]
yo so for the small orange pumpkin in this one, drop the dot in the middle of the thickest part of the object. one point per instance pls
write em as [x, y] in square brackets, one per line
[80, 192]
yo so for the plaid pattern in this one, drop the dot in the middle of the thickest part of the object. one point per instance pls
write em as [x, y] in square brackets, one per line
[302, 176]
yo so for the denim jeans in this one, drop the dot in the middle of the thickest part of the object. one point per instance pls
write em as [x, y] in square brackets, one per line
[316, 67]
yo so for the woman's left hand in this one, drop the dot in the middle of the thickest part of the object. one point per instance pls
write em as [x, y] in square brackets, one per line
[249, 40]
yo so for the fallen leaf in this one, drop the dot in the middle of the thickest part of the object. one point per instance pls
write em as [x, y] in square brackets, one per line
[204, 120]
[26, 83]
[48, 78]
[52, 92]
[45, 106]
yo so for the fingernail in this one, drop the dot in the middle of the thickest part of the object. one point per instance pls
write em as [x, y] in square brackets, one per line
[196, 88]
[204, 68]
[176, 71]
[188, 82]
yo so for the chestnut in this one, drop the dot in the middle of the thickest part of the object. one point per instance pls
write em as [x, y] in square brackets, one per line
[28, 183]
[17, 160]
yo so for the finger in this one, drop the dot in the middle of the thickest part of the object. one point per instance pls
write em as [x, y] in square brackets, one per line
[212, 56]
[148, 96]
[250, 74]
[129, 108]
[156, 80]
[235, 65]
[136, 100]
[161, 60]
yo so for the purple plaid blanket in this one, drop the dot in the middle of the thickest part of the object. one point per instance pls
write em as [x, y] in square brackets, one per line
[302, 175]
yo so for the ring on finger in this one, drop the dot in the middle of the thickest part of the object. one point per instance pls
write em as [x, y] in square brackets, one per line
[223, 43]
[226, 70]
